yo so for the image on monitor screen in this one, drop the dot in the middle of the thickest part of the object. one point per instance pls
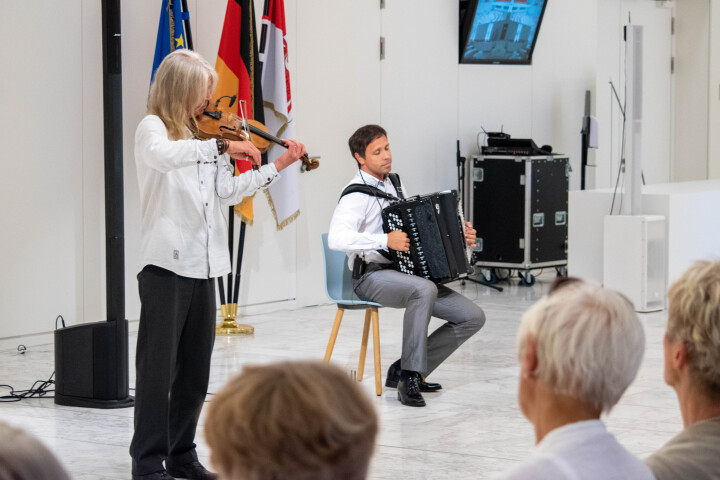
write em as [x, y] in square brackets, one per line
[500, 31]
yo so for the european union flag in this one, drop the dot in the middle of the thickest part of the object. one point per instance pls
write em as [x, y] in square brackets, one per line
[171, 34]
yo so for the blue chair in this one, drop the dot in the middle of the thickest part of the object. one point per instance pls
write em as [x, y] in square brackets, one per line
[339, 289]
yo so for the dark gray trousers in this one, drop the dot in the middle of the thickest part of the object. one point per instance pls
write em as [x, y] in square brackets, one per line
[423, 299]
[175, 342]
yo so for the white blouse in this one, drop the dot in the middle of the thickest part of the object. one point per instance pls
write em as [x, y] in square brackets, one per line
[580, 451]
[184, 185]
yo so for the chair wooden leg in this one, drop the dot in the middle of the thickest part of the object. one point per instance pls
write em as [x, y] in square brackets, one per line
[376, 349]
[334, 333]
[363, 345]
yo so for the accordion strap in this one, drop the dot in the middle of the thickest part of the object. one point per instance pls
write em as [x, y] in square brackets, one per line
[395, 180]
[368, 190]
[375, 192]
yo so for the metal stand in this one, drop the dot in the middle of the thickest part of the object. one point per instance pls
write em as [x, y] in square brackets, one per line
[484, 282]
[584, 142]
[229, 326]
[461, 176]
[228, 311]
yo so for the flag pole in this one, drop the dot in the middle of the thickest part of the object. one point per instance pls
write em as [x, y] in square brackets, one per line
[225, 310]
[236, 55]
[228, 311]
[241, 245]
[231, 236]
[186, 23]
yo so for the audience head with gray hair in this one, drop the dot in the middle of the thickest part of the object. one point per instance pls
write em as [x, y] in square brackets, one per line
[24, 457]
[691, 348]
[579, 347]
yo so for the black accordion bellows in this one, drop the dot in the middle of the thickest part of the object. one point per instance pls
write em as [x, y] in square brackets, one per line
[435, 228]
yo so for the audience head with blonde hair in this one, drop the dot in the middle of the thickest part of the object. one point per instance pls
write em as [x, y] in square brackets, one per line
[23, 457]
[580, 347]
[691, 348]
[692, 339]
[291, 420]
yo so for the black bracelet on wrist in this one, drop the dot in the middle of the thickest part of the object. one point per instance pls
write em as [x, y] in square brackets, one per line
[222, 145]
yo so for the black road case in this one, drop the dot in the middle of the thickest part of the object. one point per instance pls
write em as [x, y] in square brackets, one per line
[519, 208]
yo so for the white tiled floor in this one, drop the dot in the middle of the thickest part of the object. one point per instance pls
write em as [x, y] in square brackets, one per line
[470, 429]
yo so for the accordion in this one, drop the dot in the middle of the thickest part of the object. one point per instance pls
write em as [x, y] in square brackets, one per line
[435, 226]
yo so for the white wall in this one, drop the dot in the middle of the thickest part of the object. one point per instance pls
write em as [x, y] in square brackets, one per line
[52, 214]
[419, 94]
[714, 92]
[691, 90]
[336, 71]
[41, 188]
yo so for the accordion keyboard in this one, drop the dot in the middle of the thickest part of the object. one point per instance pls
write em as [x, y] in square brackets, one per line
[437, 244]
[404, 260]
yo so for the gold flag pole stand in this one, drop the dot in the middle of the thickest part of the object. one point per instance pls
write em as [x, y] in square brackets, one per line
[229, 326]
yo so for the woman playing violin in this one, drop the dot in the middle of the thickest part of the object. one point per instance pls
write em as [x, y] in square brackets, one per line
[184, 183]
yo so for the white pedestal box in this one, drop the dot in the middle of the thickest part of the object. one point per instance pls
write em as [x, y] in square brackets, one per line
[692, 225]
[634, 259]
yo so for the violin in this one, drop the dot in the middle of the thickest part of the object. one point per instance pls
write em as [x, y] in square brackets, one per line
[219, 124]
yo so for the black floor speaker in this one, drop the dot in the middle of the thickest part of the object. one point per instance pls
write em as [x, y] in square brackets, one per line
[90, 361]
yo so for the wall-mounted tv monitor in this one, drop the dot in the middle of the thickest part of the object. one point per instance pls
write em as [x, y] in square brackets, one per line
[499, 31]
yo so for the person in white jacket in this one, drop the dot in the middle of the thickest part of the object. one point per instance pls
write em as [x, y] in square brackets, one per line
[184, 184]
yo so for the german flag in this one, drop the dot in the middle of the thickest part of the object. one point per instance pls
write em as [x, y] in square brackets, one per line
[239, 75]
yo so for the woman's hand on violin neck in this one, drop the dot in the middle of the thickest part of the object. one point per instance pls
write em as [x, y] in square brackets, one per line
[295, 150]
[244, 151]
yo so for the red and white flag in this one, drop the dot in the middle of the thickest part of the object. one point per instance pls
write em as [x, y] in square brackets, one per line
[275, 81]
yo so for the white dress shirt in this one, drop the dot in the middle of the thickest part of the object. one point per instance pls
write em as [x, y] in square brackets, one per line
[356, 226]
[580, 451]
[184, 185]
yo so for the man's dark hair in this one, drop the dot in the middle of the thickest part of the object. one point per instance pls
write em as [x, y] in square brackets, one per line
[362, 137]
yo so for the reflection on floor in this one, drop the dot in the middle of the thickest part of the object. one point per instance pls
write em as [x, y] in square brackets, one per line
[470, 429]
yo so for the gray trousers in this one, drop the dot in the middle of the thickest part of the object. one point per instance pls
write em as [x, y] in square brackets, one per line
[422, 299]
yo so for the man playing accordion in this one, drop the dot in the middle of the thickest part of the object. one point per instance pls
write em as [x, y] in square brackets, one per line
[357, 229]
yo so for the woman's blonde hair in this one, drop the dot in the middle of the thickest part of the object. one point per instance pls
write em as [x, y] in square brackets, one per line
[23, 457]
[180, 86]
[291, 420]
[590, 342]
[694, 317]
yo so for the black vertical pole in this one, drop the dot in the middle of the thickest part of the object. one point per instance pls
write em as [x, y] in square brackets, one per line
[231, 235]
[585, 138]
[114, 210]
[461, 175]
[256, 116]
[186, 23]
[584, 153]
[241, 245]
[112, 118]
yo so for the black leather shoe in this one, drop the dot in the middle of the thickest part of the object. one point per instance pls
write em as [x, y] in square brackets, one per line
[159, 475]
[409, 390]
[393, 377]
[192, 471]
